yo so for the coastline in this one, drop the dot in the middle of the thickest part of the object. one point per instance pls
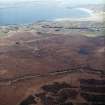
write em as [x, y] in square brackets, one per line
[96, 17]
[94, 22]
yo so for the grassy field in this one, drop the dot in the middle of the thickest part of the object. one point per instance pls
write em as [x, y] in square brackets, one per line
[2, 34]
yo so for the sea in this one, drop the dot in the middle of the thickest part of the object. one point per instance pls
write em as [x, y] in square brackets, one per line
[26, 14]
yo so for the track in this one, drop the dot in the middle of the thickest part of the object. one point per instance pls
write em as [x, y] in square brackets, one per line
[58, 72]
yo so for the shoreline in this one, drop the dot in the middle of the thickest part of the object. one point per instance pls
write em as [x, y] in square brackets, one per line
[96, 17]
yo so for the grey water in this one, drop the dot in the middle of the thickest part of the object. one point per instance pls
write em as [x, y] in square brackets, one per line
[32, 13]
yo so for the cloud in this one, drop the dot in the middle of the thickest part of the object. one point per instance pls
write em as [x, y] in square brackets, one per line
[61, 3]
[51, 2]
[78, 2]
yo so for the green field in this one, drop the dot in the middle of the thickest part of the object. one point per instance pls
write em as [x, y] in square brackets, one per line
[2, 34]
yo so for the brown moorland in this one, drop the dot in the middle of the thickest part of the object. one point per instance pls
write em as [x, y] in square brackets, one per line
[29, 61]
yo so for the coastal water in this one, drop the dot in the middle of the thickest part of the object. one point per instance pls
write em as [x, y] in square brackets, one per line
[31, 13]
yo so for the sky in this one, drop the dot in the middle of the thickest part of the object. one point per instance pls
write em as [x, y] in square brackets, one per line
[56, 1]
[60, 3]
